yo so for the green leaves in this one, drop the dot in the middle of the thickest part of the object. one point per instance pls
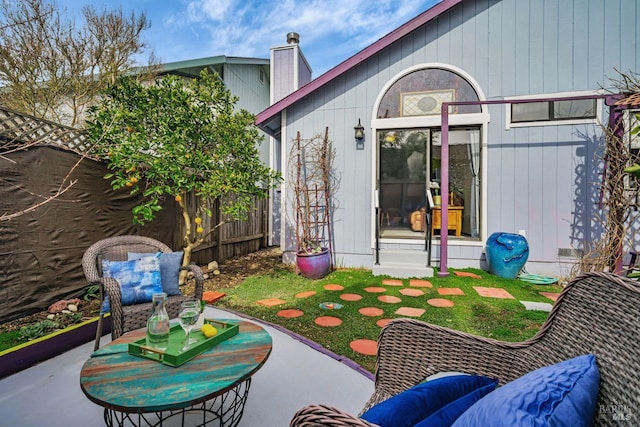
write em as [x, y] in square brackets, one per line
[176, 136]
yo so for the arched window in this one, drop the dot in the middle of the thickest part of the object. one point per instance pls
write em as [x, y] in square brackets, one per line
[407, 125]
[422, 92]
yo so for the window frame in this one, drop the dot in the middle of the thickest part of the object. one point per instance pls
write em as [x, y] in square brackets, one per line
[552, 121]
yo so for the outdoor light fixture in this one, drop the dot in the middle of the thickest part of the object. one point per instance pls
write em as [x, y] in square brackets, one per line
[359, 131]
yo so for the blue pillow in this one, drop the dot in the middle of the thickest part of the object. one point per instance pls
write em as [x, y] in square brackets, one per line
[412, 406]
[170, 263]
[446, 415]
[138, 279]
[564, 394]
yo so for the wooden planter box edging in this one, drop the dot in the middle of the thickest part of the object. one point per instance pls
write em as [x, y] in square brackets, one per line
[25, 355]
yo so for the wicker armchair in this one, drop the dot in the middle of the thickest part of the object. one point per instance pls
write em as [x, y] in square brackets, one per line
[127, 318]
[597, 313]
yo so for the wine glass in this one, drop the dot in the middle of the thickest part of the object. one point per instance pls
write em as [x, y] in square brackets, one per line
[189, 313]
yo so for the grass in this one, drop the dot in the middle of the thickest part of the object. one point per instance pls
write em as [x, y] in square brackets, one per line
[502, 319]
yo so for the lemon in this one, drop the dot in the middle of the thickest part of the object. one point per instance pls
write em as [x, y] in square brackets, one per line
[199, 229]
[178, 198]
[198, 220]
[208, 330]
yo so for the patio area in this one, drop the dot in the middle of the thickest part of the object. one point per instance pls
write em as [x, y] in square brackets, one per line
[296, 374]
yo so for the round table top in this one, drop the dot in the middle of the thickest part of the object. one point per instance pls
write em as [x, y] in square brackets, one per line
[115, 379]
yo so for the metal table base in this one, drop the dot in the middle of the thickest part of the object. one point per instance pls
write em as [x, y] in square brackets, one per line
[223, 410]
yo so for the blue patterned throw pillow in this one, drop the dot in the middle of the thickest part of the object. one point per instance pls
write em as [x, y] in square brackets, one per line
[138, 279]
[421, 401]
[170, 263]
[564, 394]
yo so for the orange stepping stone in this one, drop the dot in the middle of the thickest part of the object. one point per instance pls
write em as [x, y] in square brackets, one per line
[333, 287]
[416, 283]
[306, 294]
[270, 302]
[551, 295]
[371, 311]
[450, 291]
[390, 299]
[440, 302]
[493, 292]
[350, 297]
[412, 292]
[210, 297]
[410, 311]
[383, 322]
[366, 347]
[328, 321]
[392, 282]
[291, 313]
[467, 274]
[375, 289]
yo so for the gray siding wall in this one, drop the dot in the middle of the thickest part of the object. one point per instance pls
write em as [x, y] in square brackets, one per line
[539, 179]
[253, 95]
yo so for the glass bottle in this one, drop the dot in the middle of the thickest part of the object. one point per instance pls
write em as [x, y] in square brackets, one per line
[158, 323]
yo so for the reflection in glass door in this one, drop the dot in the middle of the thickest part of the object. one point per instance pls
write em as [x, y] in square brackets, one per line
[409, 163]
[402, 181]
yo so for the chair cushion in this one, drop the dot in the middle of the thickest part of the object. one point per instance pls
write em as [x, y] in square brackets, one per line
[446, 415]
[170, 263]
[564, 394]
[419, 402]
[138, 279]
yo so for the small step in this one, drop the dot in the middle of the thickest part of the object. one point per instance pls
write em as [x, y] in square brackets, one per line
[402, 270]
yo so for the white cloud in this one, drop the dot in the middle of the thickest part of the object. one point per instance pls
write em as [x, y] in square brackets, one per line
[330, 30]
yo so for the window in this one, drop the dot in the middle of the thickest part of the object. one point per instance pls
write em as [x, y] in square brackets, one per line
[553, 113]
[553, 110]
[422, 92]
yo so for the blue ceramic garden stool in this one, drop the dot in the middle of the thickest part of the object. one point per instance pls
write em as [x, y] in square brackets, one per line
[506, 253]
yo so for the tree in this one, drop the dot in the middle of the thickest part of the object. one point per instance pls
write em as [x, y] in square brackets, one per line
[51, 68]
[177, 136]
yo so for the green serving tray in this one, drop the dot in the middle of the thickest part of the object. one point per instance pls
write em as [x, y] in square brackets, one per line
[175, 355]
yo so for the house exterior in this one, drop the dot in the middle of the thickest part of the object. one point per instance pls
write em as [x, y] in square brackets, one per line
[246, 78]
[521, 167]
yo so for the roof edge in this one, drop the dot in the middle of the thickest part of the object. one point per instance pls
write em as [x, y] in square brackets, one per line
[356, 59]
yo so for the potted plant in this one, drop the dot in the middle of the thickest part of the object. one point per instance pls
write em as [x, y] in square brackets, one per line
[311, 164]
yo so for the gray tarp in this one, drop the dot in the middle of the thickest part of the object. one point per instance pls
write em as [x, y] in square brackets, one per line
[41, 251]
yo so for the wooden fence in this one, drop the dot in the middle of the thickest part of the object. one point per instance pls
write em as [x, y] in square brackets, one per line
[234, 238]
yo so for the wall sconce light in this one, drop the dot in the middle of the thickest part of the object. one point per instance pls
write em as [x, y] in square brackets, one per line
[359, 131]
[359, 136]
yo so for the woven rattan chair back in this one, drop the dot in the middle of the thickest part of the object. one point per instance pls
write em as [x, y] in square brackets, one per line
[597, 313]
[127, 318]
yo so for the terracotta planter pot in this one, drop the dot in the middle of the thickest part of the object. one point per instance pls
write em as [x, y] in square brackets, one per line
[314, 266]
[40, 349]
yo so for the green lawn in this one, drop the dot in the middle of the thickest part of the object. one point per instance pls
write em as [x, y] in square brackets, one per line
[502, 319]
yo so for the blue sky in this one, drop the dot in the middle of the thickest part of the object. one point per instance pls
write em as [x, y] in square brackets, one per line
[330, 30]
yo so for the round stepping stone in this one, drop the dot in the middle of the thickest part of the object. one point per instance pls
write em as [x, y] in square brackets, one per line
[350, 297]
[375, 290]
[334, 287]
[371, 311]
[328, 321]
[291, 313]
[440, 302]
[412, 292]
[306, 294]
[390, 299]
[392, 282]
[366, 347]
[383, 322]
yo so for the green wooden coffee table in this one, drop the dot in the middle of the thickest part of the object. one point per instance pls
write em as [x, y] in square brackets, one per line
[211, 388]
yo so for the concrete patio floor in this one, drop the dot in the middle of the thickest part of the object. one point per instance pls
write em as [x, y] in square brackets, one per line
[296, 374]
